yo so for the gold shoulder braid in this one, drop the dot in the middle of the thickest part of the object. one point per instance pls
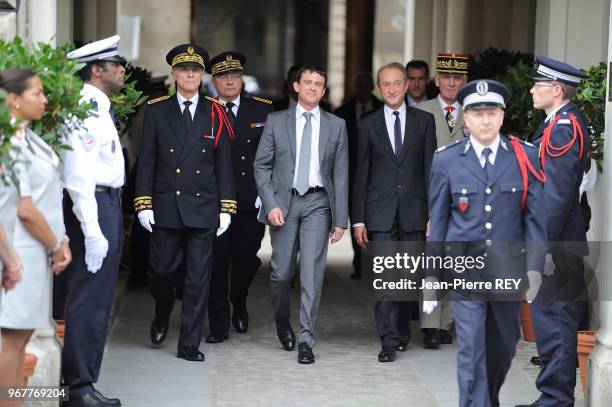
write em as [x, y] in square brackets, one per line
[143, 202]
[215, 100]
[159, 99]
[229, 206]
[261, 100]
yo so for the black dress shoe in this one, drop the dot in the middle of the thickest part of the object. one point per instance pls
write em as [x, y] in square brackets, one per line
[213, 338]
[110, 402]
[88, 400]
[445, 337]
[387, 354]
[534, 404]
[240, 319]
[431, 338]
[191, 354]
[158, 333]
[535, 360]
[402, 346]
[285, 333]
[305, 355]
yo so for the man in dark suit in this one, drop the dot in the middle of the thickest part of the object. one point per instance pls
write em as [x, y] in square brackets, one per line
[184, 175]
[486, 204]
[563, 142]
[240, 244]
[396, 146]
[357, 107]
[301, 170]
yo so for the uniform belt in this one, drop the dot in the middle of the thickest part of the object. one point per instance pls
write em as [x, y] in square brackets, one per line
[105, 189]
[295, 192]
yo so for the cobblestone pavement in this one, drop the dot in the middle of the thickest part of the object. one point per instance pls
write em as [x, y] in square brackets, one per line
[252, 370]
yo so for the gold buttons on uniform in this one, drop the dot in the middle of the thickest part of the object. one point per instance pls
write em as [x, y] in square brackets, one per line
[488, 191]
[243, 158]
[197, 171]
[172, 150]
[178, 170]
[203, 150]
[487, 208]
[488, 225]
[198, 194]
[464, 191]
[243, 173]
[513, 189]
[178, 193]
[488, 242]
[248, 140]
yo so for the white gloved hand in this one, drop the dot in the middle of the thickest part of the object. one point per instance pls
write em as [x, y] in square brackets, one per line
[224, 221]
[258, 202]
[429, 306]
[96, 248]
[146, 219]
[549, 265]
[535, 281]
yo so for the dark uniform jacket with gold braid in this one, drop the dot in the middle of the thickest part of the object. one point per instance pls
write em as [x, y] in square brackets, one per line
[181, 176]
[249, 124]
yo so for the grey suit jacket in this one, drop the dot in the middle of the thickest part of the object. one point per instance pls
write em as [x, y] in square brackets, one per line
[443, 135]
[275, 164]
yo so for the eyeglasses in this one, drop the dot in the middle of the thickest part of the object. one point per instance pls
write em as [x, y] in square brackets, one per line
[227, 76]
[396, 84]
[544, 85]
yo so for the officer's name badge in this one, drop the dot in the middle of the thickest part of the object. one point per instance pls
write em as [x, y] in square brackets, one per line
[463, 203]
[208, 136]
[258, 124]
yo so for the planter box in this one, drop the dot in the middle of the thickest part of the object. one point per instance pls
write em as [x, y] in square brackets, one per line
[586, 343]
[527, 322]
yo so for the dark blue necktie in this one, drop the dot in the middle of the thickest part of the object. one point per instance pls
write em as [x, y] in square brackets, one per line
[397, 134]
[488, 167]
[187, 115]
[112, 115]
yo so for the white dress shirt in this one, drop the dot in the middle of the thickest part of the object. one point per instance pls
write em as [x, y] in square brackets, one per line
[478, 148]
[553, 113]
[314, 177]
[236, 103]
[444, 105]
[192, 107]
[95, 159]
[412, 102]
[390, 122]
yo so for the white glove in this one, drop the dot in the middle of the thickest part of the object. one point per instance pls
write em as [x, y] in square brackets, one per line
[224, 221]
[549, 265]
[96, 248]
[535, 281]
[429, 306]
[258, 202]
[146, 219]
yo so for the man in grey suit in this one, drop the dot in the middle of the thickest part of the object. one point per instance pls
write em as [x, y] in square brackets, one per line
[301, 172]
[451, 75]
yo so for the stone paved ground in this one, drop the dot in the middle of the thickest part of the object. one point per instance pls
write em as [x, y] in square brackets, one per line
[252, 370]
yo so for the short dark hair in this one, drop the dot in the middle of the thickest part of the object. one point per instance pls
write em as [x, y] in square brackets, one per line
[418, 64]
[15, 80]
[85, 72]
[311, 68]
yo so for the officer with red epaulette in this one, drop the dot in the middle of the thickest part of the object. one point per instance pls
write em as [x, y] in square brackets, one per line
[563, 144]
[485, 202]
[184, 194]
[240, 244]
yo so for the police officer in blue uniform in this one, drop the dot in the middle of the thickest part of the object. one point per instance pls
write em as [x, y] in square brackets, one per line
[240, 244]
[562, 141]
[481, 204]
[184, 192]
[93, 173]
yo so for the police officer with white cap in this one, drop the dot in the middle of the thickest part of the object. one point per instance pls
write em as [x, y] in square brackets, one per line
[485, 203]
[93, 173]
[563, 142]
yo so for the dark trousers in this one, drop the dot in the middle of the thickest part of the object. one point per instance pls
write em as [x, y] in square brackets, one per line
[487, 333]
[238, 246]
[356, 253]
[393, 317]
[168, 249]
[90, 296]
[556, 322]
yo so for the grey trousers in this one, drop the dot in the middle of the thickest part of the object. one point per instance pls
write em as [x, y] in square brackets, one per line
[306, 230]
